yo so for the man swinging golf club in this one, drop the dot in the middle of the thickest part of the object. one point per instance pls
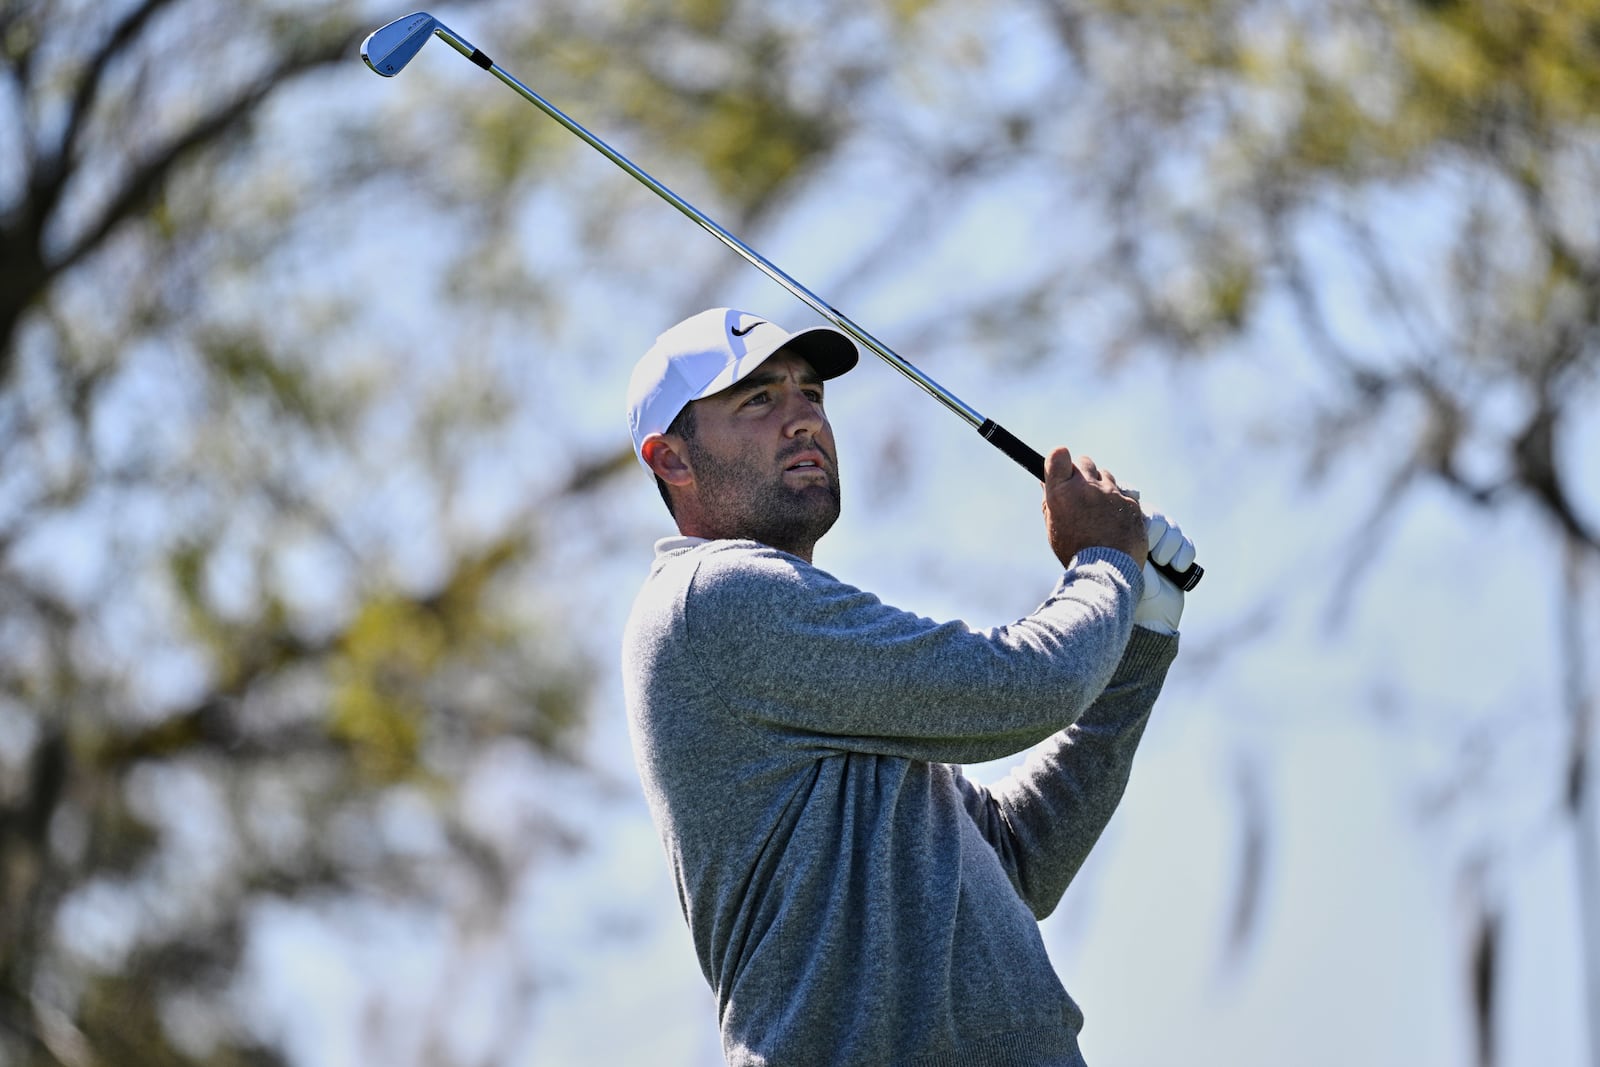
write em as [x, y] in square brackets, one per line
[852, 897]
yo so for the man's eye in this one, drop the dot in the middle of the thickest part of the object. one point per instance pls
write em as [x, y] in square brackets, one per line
[758, 398]
[814, 395]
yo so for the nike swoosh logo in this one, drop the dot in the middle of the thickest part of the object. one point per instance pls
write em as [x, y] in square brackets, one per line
[740, 333]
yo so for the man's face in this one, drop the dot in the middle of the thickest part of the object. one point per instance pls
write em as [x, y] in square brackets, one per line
[764, 459]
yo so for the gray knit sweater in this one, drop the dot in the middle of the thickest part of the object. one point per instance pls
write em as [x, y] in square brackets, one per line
[852, 897]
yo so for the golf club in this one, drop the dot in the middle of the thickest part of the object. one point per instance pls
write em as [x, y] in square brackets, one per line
[388, 49]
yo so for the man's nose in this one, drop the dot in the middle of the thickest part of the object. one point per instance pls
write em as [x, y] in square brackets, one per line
[801, 415]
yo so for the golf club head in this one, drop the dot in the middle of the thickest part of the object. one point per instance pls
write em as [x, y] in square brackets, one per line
[391, 47]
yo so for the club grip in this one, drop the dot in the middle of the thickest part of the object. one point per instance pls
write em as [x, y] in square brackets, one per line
[1011, 445]
[1033, 463]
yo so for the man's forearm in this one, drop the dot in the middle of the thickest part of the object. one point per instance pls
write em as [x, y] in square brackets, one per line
[1045, 818]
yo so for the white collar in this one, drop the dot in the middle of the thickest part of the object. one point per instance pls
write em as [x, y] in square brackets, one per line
[677, 543]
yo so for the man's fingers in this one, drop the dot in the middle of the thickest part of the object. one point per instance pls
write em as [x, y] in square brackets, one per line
[1166, 541]
[1168, 546]
[1155, 528]
[1060, 465]
[1184, 557]
[1090, 469]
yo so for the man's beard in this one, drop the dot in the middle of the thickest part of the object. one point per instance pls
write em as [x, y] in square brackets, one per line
[789, 518]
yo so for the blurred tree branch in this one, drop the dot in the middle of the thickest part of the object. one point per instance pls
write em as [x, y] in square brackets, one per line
[283, 597]
[25, 260]
[1311, 131]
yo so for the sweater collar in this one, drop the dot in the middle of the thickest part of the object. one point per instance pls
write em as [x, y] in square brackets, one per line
[668, 545]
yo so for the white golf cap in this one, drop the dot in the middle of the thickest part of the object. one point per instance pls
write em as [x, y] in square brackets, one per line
[706, 353]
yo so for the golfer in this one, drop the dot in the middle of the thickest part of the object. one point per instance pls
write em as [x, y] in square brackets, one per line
[852, 897]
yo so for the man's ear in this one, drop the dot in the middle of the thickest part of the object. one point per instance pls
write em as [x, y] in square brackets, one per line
[667, 458]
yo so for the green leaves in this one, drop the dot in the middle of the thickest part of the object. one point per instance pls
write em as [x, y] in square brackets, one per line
[395, 665]
[1538, 59]
[246, 367]
[384, 661]
[750, 144]
[335, 380]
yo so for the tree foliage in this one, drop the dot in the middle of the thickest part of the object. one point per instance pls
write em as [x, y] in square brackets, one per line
[1408, 185]
[290, 470]
[276, 560]
[198, 598]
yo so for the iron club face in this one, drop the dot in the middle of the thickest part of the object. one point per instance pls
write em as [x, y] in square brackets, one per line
[389, 48]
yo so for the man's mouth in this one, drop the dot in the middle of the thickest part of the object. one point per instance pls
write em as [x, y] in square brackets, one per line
[808, 462]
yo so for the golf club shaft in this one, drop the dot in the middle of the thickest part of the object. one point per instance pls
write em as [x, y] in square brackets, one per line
[998, 436]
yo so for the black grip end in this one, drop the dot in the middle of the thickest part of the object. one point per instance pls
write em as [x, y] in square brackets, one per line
[1185, 580]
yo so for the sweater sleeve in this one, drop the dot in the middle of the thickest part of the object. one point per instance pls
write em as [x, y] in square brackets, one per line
[1043, 820]
[789, 645]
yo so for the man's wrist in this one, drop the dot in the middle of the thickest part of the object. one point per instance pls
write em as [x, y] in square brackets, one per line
[1125, 565]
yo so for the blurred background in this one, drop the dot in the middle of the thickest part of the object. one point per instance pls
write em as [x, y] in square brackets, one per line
[318, 523]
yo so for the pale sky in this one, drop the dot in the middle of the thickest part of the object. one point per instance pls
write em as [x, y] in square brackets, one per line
[1356, 951]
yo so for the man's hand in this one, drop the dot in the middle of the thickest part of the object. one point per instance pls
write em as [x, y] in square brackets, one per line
[1083, 508]
[1162, 604]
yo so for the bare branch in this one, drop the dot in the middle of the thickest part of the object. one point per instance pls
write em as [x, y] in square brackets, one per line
[1363, 552]
[1485, 974]
[1324, 344]
[1254, 850]
[17, 69]
[147, 180]
[50, 176]
[591, 473]
[1534, 452]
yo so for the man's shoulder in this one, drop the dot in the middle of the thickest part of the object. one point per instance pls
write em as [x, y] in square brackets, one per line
[736, 588]
[728, 567]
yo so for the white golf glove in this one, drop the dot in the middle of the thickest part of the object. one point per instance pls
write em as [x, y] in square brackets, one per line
[1162, 604]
